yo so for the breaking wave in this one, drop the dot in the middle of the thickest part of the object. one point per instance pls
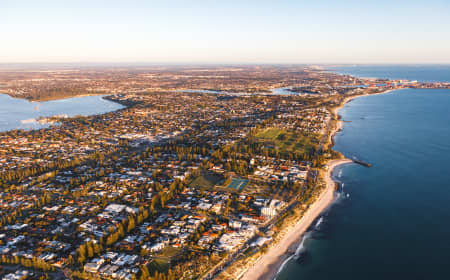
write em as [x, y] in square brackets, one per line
[314, 231]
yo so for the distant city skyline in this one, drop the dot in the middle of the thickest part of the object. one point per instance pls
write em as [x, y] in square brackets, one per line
[225, 32]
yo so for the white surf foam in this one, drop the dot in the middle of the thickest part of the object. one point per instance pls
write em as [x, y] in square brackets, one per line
[319, 222]
[283, 265]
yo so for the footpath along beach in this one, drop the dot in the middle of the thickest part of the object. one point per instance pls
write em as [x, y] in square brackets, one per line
[269, 264]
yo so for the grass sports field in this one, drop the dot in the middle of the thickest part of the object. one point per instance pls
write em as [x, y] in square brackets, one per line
[289, 141]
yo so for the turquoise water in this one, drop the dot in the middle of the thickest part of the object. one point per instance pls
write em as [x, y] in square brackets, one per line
[391, 220]
[21, 114]
[421, 73]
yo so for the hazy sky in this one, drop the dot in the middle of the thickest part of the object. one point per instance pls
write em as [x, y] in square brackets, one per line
[313, 31]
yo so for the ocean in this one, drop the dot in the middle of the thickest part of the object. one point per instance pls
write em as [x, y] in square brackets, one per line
[421, 73]
[391, 220]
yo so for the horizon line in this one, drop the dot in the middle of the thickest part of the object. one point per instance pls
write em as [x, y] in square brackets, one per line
[147, 63]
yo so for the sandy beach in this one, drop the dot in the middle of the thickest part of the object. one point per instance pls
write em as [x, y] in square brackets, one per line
[268, 265]
[350, 98]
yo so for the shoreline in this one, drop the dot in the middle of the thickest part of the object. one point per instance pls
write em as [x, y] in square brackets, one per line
[63, 98]
[267, 266]
[55, 98]
[350, 98]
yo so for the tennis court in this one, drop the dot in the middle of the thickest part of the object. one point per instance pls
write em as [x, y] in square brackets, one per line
[238, 184]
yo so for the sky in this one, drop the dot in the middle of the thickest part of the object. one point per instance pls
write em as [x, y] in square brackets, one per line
[207, 31]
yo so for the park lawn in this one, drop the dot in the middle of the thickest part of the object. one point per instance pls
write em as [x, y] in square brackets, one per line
[270, 133]
[170, 252]
[161, 261]
[206, 181]
[289, 141]
[160, 265]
